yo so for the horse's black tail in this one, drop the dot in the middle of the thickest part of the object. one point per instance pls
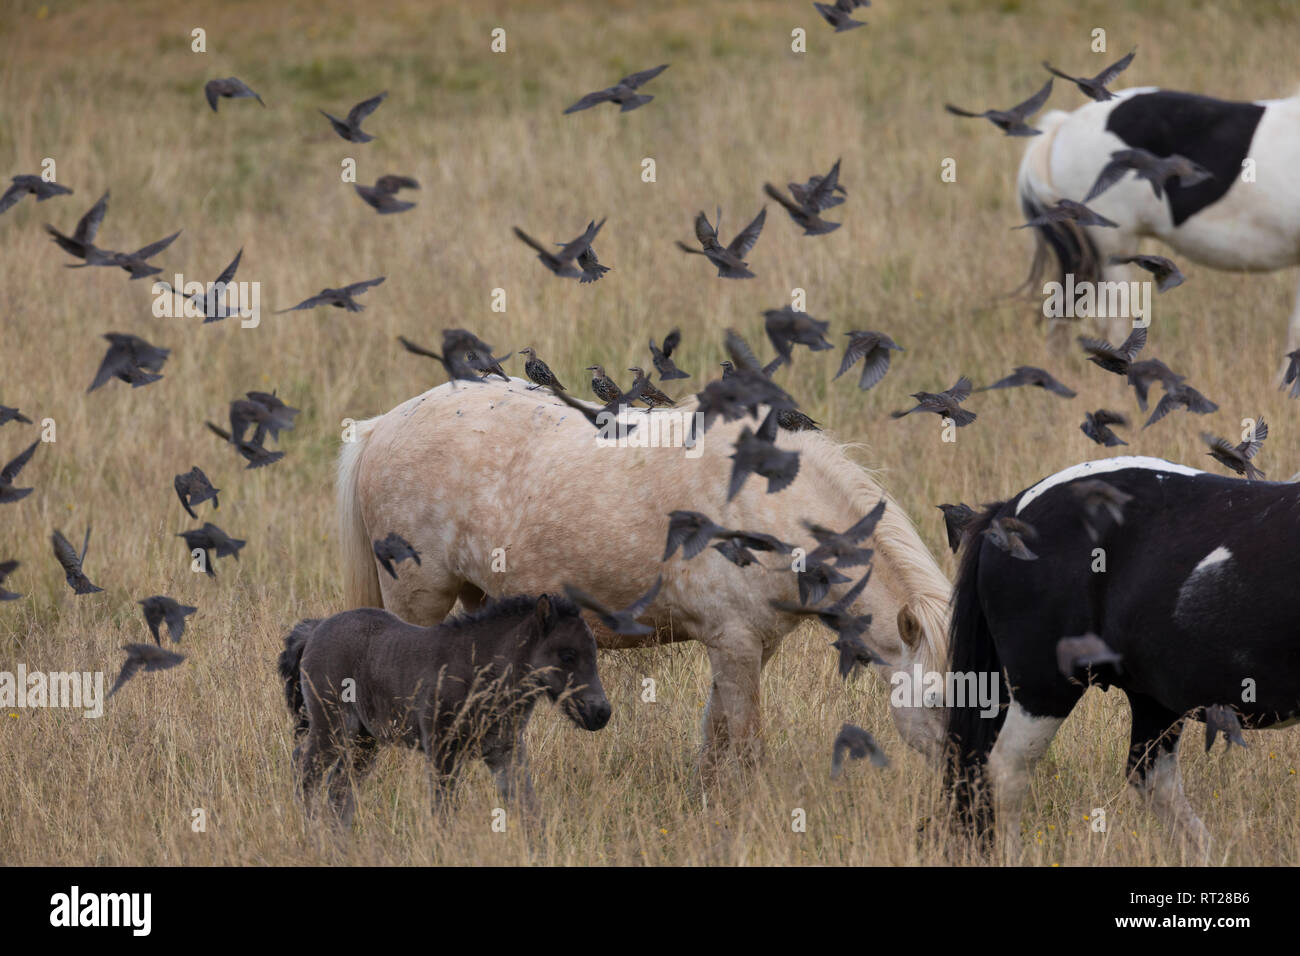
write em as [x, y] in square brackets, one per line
[290, 663]
[970, 736]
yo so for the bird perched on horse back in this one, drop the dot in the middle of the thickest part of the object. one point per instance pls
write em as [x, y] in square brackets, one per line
[602, 385]
[651, 395]
[539, 373]
[1238, 457]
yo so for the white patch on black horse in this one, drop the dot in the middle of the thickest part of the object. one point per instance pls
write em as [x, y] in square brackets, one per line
[1208, 585]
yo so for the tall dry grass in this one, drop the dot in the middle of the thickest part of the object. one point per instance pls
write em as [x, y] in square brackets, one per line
[112, 92]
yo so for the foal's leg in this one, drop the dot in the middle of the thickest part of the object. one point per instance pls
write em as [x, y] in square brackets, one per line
[440, 760]
[338, 785]
[442, 783]
[317, 757]
[509, 765]
[732, 722]
[1021, 743]
[1153, 771]
[313, 757]
[357, 759]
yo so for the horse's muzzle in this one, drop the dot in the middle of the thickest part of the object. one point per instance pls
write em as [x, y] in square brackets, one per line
[594, 713]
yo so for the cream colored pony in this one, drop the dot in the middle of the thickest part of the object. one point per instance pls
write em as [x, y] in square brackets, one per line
[503, 490]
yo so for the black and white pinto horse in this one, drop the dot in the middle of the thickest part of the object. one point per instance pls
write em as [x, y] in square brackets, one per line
[1226, 222]
[1198, 595]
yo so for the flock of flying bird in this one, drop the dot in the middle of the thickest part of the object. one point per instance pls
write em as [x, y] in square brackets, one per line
[137, 362]
[745, 385]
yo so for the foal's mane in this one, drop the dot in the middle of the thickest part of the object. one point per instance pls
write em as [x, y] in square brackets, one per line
[513, 606]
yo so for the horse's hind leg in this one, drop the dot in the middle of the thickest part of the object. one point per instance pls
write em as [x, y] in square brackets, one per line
[1120, 242]
[1292, 339]
[1153, 770]
[733, 722]
[357, 760]
[314, 757]
[1021, 743]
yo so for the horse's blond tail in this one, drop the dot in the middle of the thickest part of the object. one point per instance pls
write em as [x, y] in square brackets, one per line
[360, 576]
[1035, 175]
[1066, 242]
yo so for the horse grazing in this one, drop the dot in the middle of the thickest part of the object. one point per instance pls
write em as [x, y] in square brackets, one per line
[503, 489]
[462, 688]
[1195, 595]
[1246, 217]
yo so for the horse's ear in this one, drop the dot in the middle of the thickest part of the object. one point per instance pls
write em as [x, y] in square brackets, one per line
[909, 628]
[545, 613]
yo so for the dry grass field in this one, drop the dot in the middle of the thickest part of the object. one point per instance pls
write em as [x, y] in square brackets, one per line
[112, 92]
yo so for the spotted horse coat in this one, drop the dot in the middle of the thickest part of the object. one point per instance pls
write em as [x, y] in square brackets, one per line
[1197, 596]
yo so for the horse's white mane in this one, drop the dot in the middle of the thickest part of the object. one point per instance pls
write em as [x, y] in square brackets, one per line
[896, 539]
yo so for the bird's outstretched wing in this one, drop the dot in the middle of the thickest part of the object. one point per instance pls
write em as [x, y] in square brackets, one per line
[1035, 103]
[89, 225]
[364, 109]
[590, 100]
[12, 469]
[1105, 77]
[639, 606]
[746, 238]
[634, 80]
